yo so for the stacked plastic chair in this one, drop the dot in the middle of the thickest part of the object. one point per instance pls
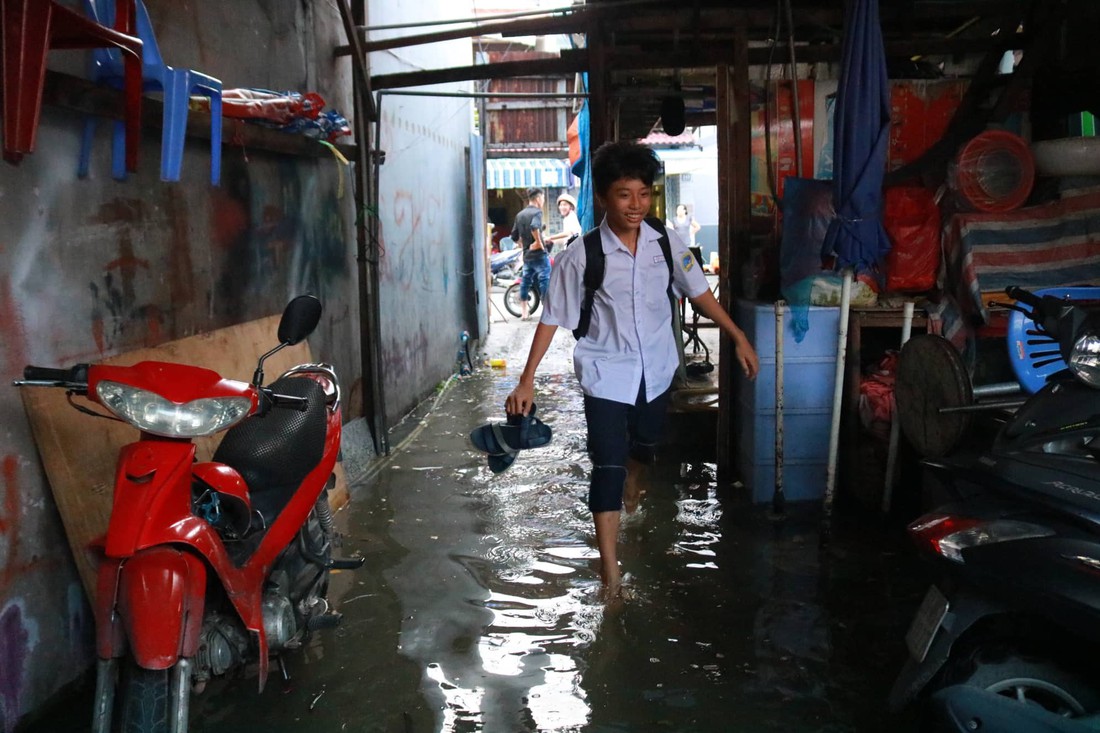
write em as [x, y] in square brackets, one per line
[177, 85]
[1035, 355]
[29, 29]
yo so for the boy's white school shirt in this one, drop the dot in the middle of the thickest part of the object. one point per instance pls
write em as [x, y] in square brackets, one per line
[630, 335]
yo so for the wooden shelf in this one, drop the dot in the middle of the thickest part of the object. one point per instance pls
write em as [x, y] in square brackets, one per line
[74, 94]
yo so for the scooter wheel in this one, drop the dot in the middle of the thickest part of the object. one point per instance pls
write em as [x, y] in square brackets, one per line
[1036, 682]
[514, 305]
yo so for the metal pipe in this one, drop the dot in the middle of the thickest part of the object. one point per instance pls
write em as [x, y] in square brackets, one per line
[105, 675]
[778, 497]
[895, 424]
[796, 114]
[380, 425]
[567, 10]
[179, 696]
[982, 406]
[838, 394]
[999, 389]
[486, 95]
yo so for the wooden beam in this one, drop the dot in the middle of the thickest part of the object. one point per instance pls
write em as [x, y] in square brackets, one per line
[724, 111]
[571, 23]
[698, 56]
[568, 63]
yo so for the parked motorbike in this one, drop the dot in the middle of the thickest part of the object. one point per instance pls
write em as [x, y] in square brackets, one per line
[209, 566]
[505, 266]
[1015, 605]
[965, 709]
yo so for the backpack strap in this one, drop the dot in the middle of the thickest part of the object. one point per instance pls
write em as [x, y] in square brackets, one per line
[673, 301]
[594, 261]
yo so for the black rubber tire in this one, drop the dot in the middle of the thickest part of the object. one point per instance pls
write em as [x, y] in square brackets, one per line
[514, 305]
[143, 703]
[1036, 682]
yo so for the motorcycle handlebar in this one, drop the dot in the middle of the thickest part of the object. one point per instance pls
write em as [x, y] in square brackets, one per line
[73, 375]
[1024, 296]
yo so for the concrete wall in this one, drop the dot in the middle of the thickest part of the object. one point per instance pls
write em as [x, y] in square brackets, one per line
[423, 209]
[91, 268]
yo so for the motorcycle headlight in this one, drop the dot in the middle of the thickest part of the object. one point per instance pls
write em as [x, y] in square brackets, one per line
[1084, 359]
[152, 413]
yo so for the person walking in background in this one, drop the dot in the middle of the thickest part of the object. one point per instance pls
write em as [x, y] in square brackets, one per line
[626, 360]
[527, 230]
[684, 225]
[570, 224]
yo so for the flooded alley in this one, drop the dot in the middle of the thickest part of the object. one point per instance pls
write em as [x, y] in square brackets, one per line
[478, 608]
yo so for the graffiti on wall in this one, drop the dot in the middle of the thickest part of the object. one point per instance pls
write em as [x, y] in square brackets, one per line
[277, 236]
[18, 632]
[18, 637]
[416, 257]
[406, 356]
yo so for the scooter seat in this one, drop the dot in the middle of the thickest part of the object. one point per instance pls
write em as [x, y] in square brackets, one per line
[274, 452]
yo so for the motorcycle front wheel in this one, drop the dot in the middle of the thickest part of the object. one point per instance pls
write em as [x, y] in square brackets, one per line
[144, 703]
[514, 305]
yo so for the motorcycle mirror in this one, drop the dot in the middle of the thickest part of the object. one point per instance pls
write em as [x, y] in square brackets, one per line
[299, 319]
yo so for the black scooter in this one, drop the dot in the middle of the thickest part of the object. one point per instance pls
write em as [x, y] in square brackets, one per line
[1015, 605]
[966, 709]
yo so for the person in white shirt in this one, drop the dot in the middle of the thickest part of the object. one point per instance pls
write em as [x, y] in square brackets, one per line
[626, 362]
[570, 224]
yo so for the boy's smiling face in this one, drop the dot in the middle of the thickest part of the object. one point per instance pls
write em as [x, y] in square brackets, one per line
[626, 204]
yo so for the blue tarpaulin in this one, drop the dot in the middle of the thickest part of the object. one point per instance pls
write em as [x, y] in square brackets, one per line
[585, 212]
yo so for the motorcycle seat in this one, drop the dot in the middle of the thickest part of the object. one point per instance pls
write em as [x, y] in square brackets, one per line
[274, 452]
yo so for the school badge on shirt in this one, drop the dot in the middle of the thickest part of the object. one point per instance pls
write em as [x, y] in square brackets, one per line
[687, 262]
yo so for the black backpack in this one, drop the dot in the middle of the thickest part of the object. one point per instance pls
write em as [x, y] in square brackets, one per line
[594, 263]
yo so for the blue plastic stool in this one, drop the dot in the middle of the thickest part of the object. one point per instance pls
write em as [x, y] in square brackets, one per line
[1035, 356]
[177, 86]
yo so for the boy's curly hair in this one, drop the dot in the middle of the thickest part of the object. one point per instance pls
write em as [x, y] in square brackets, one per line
[623, 159]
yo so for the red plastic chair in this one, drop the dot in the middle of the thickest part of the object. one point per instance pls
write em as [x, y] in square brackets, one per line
[31, 28]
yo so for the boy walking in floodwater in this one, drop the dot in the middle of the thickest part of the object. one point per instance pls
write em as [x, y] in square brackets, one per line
[627, 359]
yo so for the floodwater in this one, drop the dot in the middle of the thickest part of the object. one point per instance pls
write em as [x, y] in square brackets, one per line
[478, 608]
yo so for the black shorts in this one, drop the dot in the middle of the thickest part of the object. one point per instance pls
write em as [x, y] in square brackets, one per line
[616, 432]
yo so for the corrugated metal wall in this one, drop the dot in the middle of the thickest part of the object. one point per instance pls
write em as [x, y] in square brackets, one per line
[523, 122]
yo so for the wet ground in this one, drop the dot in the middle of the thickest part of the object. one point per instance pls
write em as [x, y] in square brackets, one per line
[479, 609]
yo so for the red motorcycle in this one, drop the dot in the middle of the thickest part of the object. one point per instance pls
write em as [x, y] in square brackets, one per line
[209, 566]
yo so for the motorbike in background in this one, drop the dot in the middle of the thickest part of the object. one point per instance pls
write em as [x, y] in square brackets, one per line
[514, 304]
[209, 566]
[505, 266]
[1015, 605]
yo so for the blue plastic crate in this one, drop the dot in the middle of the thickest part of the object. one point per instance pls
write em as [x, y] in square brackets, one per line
[757, 320]
[802, 481]
[805, 434]
[807, 384]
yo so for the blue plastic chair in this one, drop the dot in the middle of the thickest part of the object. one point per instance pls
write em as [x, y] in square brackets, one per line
[176, 85]
[1035, 356]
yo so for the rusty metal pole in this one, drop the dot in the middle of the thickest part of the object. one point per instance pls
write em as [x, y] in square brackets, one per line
[366, 236]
